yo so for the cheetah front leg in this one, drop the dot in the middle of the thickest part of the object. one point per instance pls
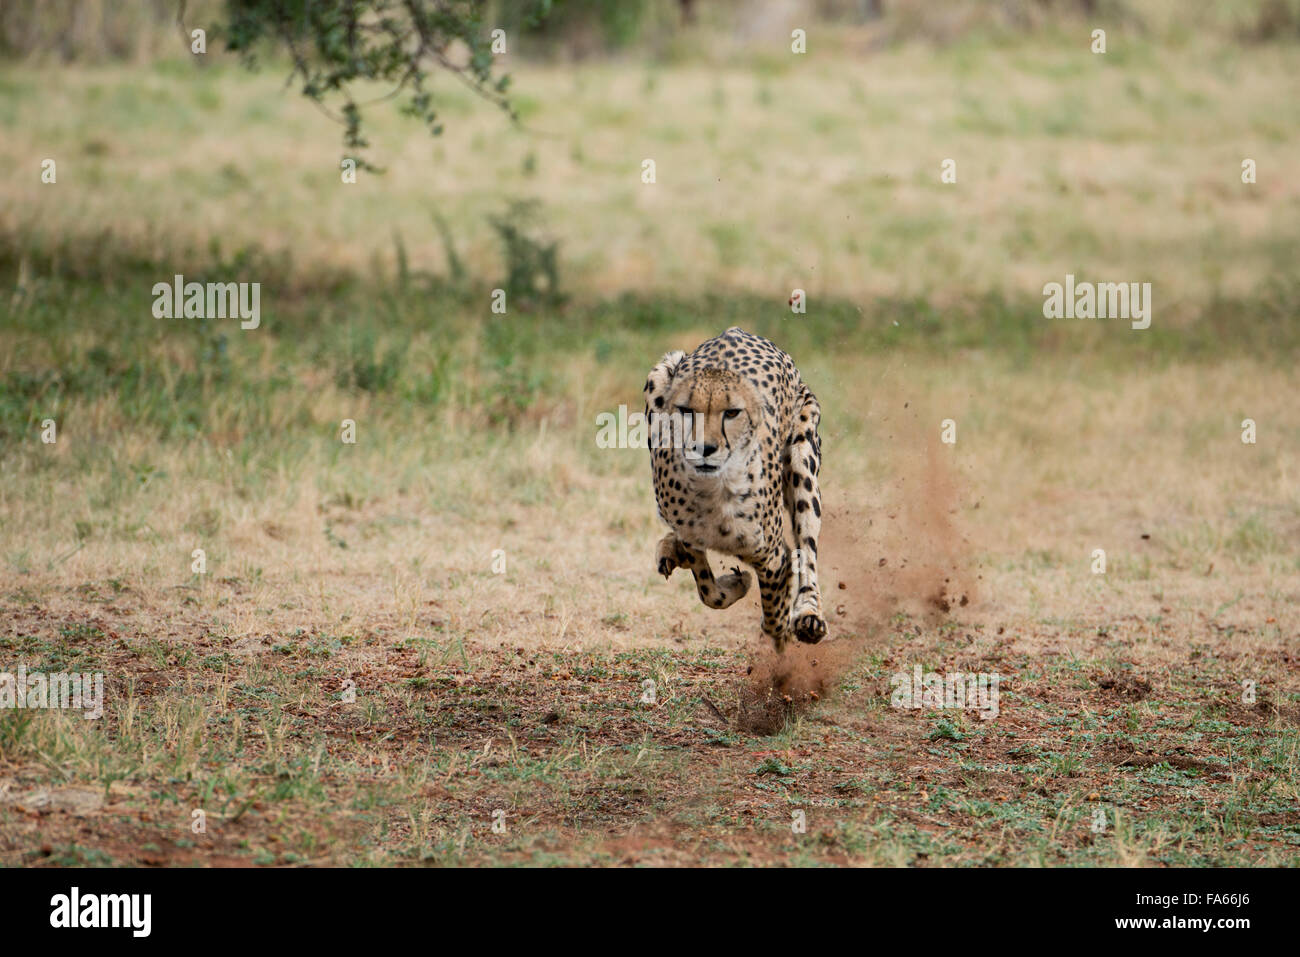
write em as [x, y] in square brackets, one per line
[774, 582]
[715, 592]
[803, 499]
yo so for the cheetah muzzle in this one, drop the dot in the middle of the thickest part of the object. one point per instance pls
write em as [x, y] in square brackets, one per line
[735, 452]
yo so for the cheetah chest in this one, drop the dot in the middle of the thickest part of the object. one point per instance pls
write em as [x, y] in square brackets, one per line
[726, 514]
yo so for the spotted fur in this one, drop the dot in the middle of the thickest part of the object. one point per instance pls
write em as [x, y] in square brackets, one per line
[743, 480]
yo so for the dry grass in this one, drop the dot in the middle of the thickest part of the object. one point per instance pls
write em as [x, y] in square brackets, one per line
[331, 566]
[520, 692]
[814, 172]
[1148, 465]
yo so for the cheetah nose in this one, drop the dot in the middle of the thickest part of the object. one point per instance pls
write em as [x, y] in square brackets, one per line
[708, 450]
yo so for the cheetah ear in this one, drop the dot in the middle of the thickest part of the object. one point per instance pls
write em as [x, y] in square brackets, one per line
[660, 378]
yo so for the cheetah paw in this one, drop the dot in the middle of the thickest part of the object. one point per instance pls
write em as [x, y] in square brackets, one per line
[810, 629]
[670, 556]
[734, 586]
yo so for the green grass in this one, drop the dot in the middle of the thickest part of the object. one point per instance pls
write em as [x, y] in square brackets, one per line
[521, 692]
[181, 379]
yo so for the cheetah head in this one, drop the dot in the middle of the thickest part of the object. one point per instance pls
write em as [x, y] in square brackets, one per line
[722, 414]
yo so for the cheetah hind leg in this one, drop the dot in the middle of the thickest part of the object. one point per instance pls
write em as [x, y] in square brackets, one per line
[803, 499]
[715, 592]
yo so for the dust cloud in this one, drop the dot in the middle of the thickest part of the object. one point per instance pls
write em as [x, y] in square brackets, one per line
[904, 552]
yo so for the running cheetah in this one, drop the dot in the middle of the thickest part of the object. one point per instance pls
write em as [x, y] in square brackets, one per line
[744, 454]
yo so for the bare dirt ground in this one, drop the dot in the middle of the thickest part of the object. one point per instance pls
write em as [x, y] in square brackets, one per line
[519, 718]
[1139, 720]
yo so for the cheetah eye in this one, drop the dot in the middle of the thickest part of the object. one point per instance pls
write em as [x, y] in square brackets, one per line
[731, 413]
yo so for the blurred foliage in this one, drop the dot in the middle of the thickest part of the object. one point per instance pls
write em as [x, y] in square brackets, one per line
[333, 44]
[578, 26]
[532, 263]
[330, 45]
[96, 30]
